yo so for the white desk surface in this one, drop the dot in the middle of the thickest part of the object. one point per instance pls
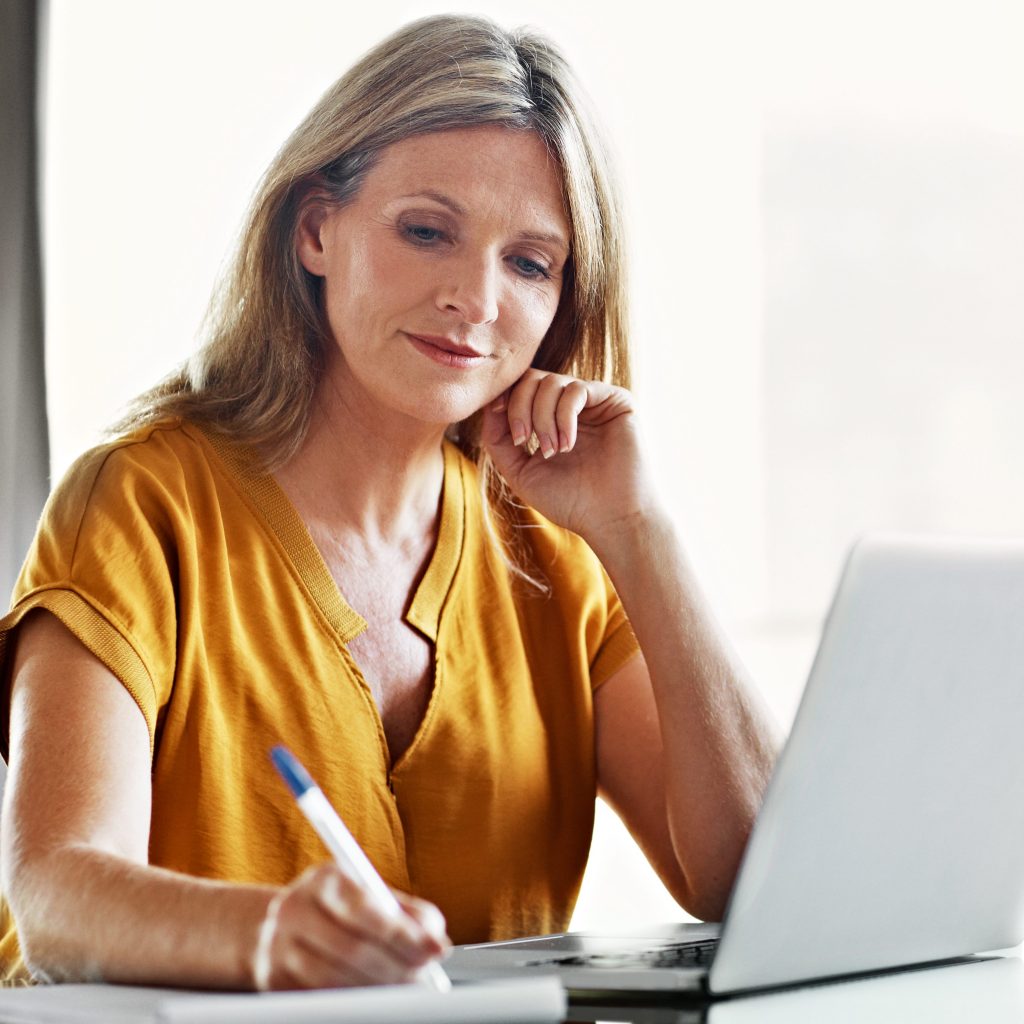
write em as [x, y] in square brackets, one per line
[988, 991]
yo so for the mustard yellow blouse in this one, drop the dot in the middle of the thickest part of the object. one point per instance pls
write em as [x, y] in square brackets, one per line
[189, 574]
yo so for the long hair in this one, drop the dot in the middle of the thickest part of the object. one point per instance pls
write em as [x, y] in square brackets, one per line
[254, 378]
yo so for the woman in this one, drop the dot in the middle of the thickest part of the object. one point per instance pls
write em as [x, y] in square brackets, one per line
[379, 519]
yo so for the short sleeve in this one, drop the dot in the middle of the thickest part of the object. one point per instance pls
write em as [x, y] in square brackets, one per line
[618, 644]
[596, 622]
[103, 563]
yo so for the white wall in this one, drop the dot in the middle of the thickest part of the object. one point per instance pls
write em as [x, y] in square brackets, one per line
[828, 240]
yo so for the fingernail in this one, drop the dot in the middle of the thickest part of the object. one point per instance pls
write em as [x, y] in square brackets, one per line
[563, 441]
[518, 433]
[547, 447]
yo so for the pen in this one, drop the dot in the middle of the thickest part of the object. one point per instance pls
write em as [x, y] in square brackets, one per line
[345, 850]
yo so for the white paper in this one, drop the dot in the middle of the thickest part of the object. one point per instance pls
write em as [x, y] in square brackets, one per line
[81, 1004]
[520, 1001]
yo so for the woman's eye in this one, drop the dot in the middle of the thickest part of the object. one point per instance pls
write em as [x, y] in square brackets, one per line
[422, 234]
[530, 268]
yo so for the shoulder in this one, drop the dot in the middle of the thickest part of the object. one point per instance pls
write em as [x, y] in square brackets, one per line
[164, 452]
[127, 511]
[149, 472]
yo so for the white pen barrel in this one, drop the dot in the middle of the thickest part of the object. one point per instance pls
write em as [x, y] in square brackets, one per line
[345, 850]
[349, 855]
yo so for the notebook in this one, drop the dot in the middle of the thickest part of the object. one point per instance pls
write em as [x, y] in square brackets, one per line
[516, 1001]
[892, 832]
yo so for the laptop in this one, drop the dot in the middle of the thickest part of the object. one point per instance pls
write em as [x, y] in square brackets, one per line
[892, 832]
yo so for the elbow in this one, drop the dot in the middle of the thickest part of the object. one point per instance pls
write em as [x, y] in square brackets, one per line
[704, 897]
[705, 900]
[29, 913]
[708, 881]
[38, 904]
[48, 955]
[707, 905]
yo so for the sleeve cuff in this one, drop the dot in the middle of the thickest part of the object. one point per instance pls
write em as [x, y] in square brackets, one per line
[99, 636]
[617, 649]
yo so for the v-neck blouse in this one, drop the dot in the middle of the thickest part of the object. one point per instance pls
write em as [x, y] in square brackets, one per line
[190, 575]
[283, 519]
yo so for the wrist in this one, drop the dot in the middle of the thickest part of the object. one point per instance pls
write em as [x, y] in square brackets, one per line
[637, 536]
[256, 960]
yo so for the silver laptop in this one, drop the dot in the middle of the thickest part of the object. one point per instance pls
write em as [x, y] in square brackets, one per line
[892, 833]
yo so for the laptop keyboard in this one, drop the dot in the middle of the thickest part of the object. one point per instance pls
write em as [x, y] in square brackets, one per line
[668, 954]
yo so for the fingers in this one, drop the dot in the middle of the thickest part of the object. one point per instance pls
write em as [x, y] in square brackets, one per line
[322, 931]
[403, 936]
[548, 406]
[429, 918]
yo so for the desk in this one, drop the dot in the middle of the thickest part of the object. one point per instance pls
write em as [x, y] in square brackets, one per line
[986, 991]
[989, 991]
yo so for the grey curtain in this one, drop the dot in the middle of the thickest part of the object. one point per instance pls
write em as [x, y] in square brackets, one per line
[24, 447]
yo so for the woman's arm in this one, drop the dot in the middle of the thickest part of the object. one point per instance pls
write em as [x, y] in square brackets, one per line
[685, 747]
[75, 851]
[684, 716]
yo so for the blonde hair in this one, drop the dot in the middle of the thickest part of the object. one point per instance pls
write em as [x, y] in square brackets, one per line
[255, 376]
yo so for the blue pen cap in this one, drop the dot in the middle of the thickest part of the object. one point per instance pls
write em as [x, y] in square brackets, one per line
[297, 778]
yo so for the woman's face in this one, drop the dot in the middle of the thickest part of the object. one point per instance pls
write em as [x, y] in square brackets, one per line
[444, 273]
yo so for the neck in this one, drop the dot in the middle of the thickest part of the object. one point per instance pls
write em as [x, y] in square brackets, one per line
[362, 473]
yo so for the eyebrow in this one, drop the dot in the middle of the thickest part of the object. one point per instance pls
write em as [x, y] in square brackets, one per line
[458, 208]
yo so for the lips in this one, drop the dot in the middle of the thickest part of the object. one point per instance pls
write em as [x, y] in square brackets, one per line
[446, 352]
[448, 345]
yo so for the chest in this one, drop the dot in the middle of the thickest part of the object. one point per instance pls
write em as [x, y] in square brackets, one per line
[394, 658]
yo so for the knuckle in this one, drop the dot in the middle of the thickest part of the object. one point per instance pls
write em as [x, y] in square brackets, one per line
[355, 896]
[433, 920]
[327, 872]
[347, 946]
[552, 383]
[397, 933]
[430, 925]
[525, 389]
[314, 877]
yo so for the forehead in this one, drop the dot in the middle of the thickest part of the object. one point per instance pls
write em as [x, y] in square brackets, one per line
[488, 169]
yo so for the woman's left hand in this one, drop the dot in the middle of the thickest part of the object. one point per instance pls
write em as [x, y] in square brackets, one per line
[587, 473]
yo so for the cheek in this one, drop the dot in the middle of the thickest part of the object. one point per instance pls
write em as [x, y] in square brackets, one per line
[364, 286]
[531, 329]
[534, 311]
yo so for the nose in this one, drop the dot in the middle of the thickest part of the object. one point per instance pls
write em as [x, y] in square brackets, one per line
[470, 289]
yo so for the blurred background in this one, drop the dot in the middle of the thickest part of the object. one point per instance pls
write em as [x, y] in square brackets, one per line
[826, 219]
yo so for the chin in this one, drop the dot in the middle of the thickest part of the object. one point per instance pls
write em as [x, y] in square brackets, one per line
[445, 406]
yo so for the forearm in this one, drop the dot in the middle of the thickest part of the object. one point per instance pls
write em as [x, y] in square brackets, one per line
[719, 740]
[87, 915]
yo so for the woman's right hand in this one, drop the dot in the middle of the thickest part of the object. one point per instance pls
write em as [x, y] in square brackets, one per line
[75, 859]
[323, 931]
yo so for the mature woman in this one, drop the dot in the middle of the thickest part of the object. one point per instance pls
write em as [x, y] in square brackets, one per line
[386, 516]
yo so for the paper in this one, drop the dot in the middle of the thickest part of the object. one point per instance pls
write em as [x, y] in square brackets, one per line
[521, 1001]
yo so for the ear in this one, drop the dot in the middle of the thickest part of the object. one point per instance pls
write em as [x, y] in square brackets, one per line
[313, 213]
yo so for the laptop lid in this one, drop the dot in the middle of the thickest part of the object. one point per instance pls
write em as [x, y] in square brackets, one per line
[892, 832]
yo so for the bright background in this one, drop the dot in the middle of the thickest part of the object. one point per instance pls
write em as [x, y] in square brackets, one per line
[827, 228]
